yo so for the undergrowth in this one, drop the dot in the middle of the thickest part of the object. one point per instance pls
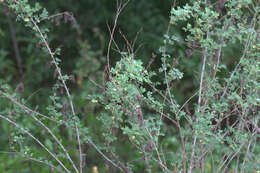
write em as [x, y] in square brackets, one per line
[135, 107]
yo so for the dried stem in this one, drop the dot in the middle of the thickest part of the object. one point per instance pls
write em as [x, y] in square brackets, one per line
[120, 7]
[199, 104]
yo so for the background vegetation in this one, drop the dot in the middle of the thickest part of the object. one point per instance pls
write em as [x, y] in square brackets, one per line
[129, 86]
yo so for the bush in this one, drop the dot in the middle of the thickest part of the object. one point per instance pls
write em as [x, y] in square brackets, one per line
[131, 117]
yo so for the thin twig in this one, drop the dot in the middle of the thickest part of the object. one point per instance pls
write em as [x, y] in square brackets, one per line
[199, 103]
[243, 55]
[64, 85]
[62, 80]
[32, 114]
[120, 7]
[25, 108]
[104, 156]
[33, 159]
[37, 140]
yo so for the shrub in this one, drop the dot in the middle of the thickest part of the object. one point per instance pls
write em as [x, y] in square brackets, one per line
[137, 123]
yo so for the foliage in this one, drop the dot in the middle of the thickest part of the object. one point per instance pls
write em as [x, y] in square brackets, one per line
[93, 105]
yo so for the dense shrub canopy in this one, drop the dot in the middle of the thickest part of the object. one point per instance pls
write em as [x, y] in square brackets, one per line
[129, 86]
